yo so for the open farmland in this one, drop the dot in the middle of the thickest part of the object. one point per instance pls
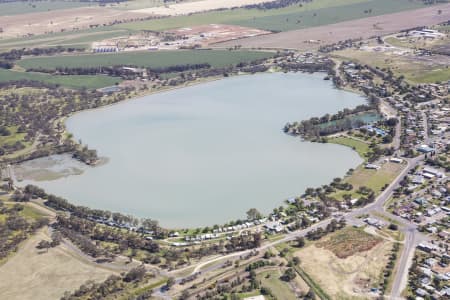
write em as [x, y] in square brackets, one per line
[186, 8]
[315, 13]
[350, 277]
[23, 7]
[328, 15]
[71, 81]
[146, 59]
[77, 39]
[61, 20]
[361, 28]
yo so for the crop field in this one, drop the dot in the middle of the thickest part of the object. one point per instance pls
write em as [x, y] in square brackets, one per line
[135, 4]
[71, 81]
[63, 20]
[350, 277]
[365, 27]
[329, 15]
[78, 39]
[311, 14]
[23, 7]
[158, 59]
[348, 242]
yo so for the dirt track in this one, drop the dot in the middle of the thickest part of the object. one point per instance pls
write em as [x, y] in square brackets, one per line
[364, 28]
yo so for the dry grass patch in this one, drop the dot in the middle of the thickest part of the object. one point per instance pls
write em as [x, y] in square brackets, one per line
[350, 277]
[348, 242]
[33, 275]
[375, 179]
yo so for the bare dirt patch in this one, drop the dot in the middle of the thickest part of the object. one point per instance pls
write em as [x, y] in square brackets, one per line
[216, 33]
[348, 242]
[34, 274]
[345, 278]
[313, 38]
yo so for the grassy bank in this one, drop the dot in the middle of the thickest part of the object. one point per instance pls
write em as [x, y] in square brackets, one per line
[359, 146]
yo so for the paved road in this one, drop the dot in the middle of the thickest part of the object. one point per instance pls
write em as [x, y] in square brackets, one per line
[412, 238]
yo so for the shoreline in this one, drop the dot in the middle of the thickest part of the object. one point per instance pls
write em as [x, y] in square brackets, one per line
[197, 82]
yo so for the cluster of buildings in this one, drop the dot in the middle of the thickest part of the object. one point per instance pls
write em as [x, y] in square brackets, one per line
[439, 119]
[376, 130]
[432, 276]
[311, 58]
[374, 222]
[181, 38]
[422, 33]
[428, 197]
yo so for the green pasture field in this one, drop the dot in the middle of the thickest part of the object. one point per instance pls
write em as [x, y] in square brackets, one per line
[159, 59]
[70, 81]
[316, 13]
[23, 7]
[75, 39]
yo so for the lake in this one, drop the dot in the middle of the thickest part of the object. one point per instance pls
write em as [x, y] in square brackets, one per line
[205, 154]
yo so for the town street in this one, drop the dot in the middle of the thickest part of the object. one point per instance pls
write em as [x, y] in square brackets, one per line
[412, 237]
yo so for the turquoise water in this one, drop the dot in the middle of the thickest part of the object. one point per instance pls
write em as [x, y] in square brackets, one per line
[205, 154]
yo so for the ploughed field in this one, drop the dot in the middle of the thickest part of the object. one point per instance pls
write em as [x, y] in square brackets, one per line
[379, 25]
[84, 20]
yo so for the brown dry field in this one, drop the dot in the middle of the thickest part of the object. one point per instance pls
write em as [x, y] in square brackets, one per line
[186, 8]
[362, 28]
[346, 278]
[55, 21]
[45, 276]
[349, 242]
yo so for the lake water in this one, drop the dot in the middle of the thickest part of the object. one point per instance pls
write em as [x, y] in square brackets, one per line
[205, 154]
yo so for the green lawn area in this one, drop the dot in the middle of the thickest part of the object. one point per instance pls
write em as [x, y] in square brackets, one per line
[159, 59]
[70, 81]
[315, 13]
[22, 7]
[375, 179]
[279, 288]
[359, 146]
